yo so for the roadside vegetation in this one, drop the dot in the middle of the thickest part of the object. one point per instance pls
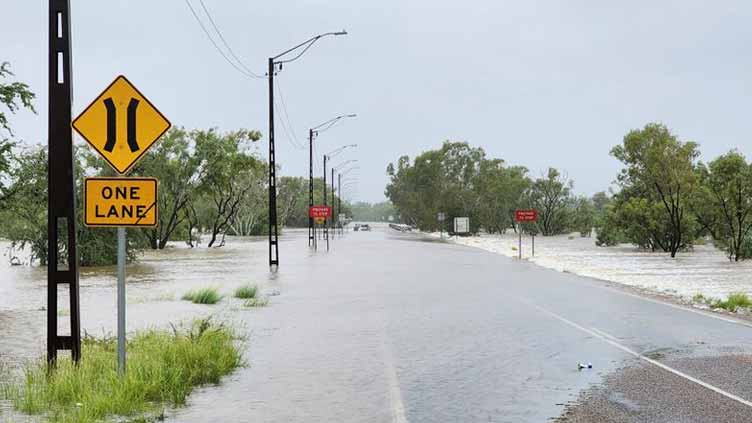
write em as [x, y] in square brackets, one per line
[666, 198]
[734, 302]
[203, 296]
[163, 368]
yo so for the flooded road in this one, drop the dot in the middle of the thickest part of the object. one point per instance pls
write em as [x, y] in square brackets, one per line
[391, 327]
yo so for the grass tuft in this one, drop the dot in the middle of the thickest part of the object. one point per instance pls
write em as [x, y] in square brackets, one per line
[734, 301]
[163, 368]
[256, 302]
[203, 296]
[246, 292]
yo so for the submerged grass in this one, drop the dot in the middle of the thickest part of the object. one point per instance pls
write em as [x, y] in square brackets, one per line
[163, 368]
[203, 296]
[256, 302]
[246, 292]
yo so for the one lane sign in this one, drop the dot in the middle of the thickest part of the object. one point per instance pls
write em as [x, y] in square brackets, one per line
[120, 202]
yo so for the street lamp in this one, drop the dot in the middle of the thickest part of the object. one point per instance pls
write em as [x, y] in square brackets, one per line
[275, 61]
[329, 155]
[312, 133]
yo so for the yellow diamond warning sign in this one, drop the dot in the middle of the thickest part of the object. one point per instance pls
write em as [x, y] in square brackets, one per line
[120, 202]
[121, 124]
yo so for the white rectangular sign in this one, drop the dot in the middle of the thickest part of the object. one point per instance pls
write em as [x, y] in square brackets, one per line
[461, 225]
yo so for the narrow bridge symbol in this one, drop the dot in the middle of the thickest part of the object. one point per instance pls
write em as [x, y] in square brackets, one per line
[112, 125]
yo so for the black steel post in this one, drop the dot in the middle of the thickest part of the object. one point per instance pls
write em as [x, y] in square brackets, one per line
[62, 257]
[273, 231]
[332, 222]
[326, 230]
[310, 185]
[339, 202]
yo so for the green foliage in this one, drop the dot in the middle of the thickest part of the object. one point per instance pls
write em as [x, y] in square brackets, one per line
[723, 202]
[246, 291]
[163, 368]
[377, 212]
[735, 301]
[24, 220]
[551, 195]
[500, 190]
[658, 182]
[203, 296]
[13, 95]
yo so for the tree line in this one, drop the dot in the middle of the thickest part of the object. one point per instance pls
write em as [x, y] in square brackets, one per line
[664, 198]
[211, 184]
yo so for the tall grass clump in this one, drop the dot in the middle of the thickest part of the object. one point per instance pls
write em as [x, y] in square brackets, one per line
[163, 368]
[203, 296]
[734, 301]
[246, 291]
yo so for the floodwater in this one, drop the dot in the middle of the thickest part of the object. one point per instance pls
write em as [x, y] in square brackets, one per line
[369, 332]
[704, 269]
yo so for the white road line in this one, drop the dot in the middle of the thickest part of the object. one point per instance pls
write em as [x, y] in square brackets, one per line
[604, 334]
[609, 339]
[395, 393]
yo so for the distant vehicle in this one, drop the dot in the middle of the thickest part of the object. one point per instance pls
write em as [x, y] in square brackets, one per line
[365, 227]
[356, 227]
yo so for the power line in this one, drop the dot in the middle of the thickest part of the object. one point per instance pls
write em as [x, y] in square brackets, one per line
[221, 37]
[286, 116]
[227, 59]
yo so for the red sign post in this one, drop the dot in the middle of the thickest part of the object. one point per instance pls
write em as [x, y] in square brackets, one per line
[525, 216]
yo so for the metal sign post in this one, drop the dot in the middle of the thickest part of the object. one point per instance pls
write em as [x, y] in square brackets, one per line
[121, 298]
[441, 217]
[521, 216]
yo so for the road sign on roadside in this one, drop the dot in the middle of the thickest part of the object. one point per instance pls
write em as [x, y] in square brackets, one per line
[320, 212]
[121, 124]
[120, 202]
[441, 217]
[319, 220]
[522, 216]
[461, 225]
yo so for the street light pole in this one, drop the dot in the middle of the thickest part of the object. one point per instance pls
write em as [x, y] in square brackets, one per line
[312, 133]
[273, 231]
[311, 229]
[339, 202]
[273, 63]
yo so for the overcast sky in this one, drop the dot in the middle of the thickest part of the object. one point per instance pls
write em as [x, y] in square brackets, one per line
[537, 83]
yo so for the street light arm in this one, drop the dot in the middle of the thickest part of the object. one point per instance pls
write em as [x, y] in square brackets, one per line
[307, 43]
[331, 122]
[339, 150]
[342, 164]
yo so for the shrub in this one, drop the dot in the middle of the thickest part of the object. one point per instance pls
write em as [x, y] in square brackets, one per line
[203, 296]
[162, 369]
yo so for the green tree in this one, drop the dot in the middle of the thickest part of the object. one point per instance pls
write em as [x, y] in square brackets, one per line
[500, 190]
[13, 96]
[659, 170]
[225, 168]
[551, 196]
[724, 201]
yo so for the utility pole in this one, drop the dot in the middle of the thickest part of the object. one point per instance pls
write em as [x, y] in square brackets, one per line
[61, 218]
[311, 229]
[326, 228]
[339, 202]
[279, 60]
[332, 222]
[273, 230]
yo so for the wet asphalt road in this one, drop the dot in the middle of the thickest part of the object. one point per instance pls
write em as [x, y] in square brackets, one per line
[391, 327]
